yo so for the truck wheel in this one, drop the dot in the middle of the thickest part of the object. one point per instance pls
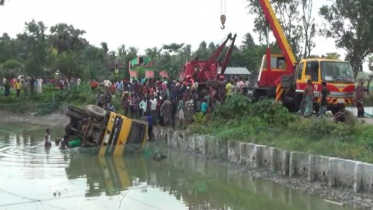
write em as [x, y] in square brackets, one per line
[96, 112]
[74, 115]
[77, 110]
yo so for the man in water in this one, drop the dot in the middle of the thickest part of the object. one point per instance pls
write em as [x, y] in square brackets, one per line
[47, 138]
[63, 142]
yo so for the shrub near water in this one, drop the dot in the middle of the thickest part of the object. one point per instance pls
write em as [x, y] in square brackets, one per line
[269, 123]
[48, 101]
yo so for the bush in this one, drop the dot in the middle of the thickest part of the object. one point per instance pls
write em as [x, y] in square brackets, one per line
[49, 101]
[234, 106]
[269, 111]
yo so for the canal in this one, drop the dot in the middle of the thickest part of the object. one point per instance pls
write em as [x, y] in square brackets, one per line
[36, 178]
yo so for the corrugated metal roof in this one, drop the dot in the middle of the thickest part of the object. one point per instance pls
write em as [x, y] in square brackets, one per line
[237, 71]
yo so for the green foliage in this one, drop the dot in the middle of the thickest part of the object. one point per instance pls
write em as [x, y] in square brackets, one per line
[49, 101]
[356, 37]
[200, 118]
[269, 123]
[234, 106]
[267, 111]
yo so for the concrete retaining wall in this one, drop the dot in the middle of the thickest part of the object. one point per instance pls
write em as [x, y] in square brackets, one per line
[334, 172]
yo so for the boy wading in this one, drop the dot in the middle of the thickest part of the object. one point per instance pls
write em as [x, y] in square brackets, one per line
[308, 96]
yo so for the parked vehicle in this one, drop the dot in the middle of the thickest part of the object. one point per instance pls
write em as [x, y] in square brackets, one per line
[283, 78]
[208, 71]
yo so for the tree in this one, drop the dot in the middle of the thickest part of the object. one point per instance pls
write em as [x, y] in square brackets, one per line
[309, 27]
[69, 64]
[202, 52]
[288, 15]
[36, 47]
[11, 68]
[332, 55]
[248, 42]
[5, 37]
[173, 48]
[66, 38]
[370, 60]
[351, 24]
[211, 48]
[105, 47]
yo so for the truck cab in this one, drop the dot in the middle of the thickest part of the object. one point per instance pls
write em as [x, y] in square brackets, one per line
[336, 73]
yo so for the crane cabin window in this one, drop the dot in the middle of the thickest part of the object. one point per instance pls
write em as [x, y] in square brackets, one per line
[312, 69]
[277, 63]
[300, 70]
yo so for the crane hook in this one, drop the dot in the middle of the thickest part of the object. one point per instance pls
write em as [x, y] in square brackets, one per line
[222, 20]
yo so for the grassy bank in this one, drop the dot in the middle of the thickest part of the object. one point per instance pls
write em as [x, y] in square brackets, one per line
[50, 100]
[271, 124]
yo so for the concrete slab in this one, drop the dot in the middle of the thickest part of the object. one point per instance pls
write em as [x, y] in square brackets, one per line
[212, 146]
[184, 140]
[222, 149]
[234, 152]
[201, 145]
[266, 158]
[175, 143]
[298, 164]
[190, 143]
[163, 134]
[363, 178]
[318, 168]
[342, 173]
[169, 136]
[280, 160]
[245, 158]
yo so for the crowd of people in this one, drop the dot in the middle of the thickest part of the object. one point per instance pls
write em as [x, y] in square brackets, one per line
[166, 101]
[30, 85]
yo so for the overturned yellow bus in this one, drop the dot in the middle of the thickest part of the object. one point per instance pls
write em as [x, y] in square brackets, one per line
[111, 133]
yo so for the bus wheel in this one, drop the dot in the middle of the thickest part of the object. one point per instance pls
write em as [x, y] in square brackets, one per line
[96, 112]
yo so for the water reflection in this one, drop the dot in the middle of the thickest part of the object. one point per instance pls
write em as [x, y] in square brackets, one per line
[190, 180]
[134, 182]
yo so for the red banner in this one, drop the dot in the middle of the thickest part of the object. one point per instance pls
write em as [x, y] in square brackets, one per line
[163, 74]
[133, 74]
[149, 74]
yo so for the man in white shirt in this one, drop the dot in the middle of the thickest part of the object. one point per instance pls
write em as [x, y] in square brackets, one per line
[107, 84]
[153, 106]
[78, 81]
[143, 107]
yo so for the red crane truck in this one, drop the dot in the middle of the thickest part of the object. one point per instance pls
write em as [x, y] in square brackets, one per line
[205, 71]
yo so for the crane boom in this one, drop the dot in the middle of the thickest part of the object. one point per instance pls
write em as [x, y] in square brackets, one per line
[228, 56]
[216, 54]
[278, 33]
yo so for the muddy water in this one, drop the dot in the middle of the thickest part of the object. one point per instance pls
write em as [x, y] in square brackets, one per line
[35, 178]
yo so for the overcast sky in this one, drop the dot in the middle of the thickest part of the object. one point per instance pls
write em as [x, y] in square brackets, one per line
[143, 23]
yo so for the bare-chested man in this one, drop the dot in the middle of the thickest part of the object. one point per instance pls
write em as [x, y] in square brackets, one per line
[308, 96]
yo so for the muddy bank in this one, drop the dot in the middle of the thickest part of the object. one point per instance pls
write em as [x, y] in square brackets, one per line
[54, 119]
[344, 181]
